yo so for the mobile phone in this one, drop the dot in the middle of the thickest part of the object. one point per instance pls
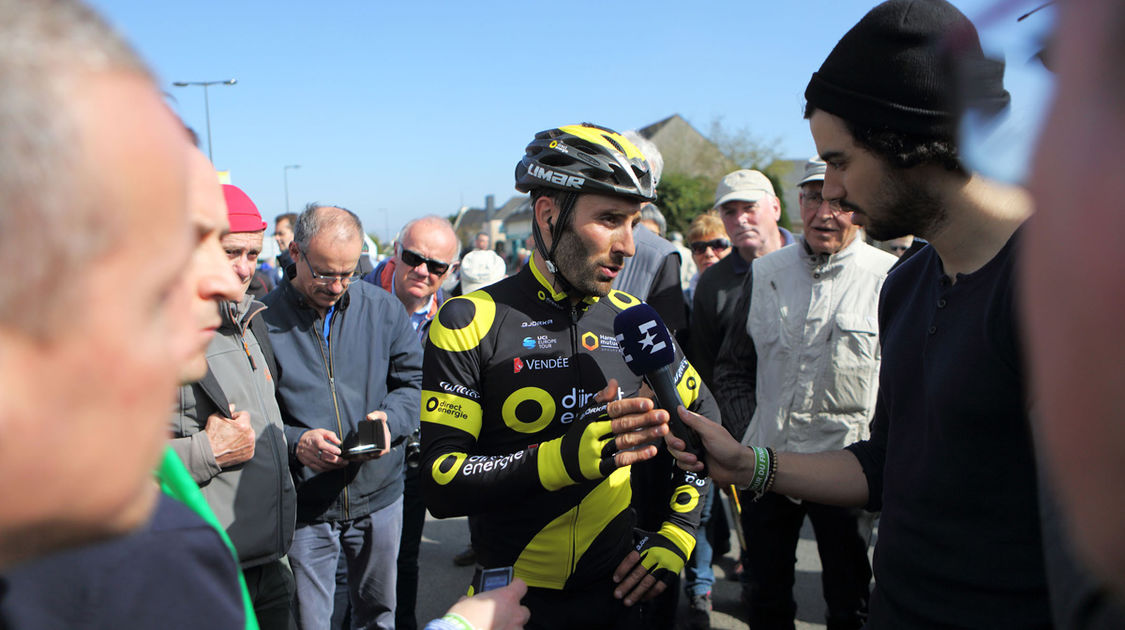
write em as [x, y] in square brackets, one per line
[491, 579]
[369, 438]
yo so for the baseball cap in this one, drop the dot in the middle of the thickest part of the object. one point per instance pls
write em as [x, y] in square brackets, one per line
[242, 214]
[743, 185]
[814, 171]
[481, 268]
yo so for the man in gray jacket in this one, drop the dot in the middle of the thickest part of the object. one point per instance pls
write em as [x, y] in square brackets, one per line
[347, 355]
[229, 434]
[803, 362]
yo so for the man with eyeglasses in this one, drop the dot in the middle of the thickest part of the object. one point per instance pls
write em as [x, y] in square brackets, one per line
[803, 363]
[347, 355]
[424, 255]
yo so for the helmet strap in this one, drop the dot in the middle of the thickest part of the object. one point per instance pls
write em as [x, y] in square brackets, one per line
[557, 228]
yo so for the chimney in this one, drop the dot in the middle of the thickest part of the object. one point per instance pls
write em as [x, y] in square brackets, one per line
[489, 206]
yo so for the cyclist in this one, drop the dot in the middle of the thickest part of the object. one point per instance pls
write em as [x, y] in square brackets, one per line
[528, 406]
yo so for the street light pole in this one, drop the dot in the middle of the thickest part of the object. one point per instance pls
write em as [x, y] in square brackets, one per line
[206, 105]
[285, 176]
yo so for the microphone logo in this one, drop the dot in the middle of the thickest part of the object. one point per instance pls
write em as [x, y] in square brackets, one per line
[649, 338]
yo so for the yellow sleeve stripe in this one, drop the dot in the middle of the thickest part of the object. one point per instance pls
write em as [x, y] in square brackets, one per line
[452, 411]
[688, 385]
[552, 472]
[681, 539]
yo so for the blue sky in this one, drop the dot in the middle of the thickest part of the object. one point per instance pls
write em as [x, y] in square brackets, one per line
[399, 109]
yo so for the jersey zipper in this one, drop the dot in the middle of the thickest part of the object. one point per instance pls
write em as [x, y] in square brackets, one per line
[327, 357]
[572, 564]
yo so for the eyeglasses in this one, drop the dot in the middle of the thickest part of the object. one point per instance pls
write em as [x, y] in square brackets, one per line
[899, 248]
[413, 259]
[718, 244]
[814, 199]
[329, 278]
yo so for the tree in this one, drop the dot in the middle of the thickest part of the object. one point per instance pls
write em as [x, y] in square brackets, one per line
[742, 146]
[683, 197]
[750, 151]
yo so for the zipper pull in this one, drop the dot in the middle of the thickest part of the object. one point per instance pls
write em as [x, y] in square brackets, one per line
[246, 348]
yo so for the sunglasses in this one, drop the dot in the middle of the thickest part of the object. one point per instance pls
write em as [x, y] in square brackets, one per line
[413, 259]
[719, 244]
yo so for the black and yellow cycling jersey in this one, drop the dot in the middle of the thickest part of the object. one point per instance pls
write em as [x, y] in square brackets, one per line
[510, 368]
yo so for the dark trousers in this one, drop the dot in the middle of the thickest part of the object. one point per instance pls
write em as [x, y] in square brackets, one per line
[271, 592]
[413, 520]
[592, 607]
[772, 527]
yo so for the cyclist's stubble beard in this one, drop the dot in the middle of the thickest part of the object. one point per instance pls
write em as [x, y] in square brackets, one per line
[580, 267]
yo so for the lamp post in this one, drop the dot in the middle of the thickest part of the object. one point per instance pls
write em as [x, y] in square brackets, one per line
[285, 176]
[206, 105]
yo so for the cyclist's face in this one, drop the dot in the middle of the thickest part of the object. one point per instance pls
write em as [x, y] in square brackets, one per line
[593, 249]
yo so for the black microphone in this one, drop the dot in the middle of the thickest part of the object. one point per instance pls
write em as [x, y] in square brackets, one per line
[647, 346]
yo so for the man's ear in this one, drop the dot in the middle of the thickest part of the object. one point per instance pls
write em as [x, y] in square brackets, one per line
[546, 214]
[293, 250]
[776, 209]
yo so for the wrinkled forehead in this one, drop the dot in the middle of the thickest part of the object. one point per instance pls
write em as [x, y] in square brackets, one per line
[435, 241]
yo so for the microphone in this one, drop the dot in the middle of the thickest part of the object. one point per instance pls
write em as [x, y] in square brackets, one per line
[647, 347]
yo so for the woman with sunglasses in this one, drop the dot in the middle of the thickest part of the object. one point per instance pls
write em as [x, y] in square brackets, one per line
[709, 244]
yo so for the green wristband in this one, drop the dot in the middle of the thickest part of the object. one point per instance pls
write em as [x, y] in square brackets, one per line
[457, 621]
[761, 469]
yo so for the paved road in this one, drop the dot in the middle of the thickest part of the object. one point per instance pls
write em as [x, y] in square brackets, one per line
[441, 582]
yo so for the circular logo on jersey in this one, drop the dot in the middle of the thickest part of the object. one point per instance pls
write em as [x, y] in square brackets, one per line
[685, 499]
[542, 296]
[463, 321]
[622, 300]
[554, 143]
[528, 343]
[691, 384]
[432, 403]
[445, 467]
[590, 341]
[528, 410]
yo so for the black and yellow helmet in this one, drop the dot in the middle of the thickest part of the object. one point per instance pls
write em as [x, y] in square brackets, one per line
[585, 158]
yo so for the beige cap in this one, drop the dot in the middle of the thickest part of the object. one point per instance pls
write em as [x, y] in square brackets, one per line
[743, 185]
[481, 268]
[814, 171]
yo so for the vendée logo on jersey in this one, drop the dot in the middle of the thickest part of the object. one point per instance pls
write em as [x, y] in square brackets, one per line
[554, 363]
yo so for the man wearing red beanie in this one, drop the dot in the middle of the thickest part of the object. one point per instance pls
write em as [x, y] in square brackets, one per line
[228, 430]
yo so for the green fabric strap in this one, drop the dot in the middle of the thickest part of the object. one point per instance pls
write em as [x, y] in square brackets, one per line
[176, 482]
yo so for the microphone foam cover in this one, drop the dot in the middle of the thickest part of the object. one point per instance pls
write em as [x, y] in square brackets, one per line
[644, 339]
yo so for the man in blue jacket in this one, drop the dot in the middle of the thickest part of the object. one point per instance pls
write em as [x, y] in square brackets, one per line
[346, 355]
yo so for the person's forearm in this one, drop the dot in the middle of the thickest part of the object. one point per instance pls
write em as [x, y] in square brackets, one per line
[832, 477]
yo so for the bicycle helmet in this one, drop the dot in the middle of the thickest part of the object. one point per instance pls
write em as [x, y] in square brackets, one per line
[585, 158]
[580, 159]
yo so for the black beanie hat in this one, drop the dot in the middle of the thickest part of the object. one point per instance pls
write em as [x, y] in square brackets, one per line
[910, 66]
